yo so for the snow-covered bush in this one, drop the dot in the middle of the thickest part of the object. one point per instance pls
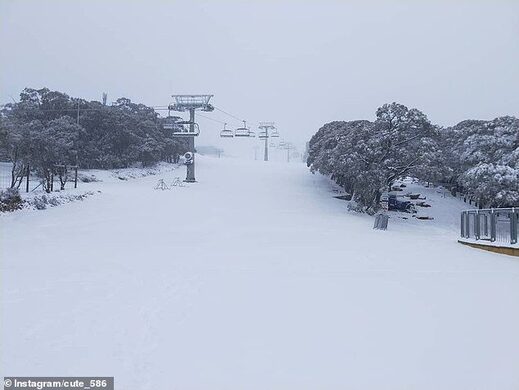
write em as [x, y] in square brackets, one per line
[40, 202]
[83, 178]
[10, 200]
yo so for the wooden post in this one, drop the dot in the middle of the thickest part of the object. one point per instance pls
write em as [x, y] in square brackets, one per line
[75, 177]
[28, 174]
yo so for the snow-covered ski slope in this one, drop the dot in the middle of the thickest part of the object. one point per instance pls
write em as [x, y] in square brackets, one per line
[253, 278]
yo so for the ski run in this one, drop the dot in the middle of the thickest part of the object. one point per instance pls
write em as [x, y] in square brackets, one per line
[255, 277]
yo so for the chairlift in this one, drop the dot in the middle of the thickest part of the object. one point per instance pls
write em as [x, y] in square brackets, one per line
[243, 131]
[183, 129]
[170, 123]
[262, 135]
[226, 133]
[274, 134]
[282, 144]
[252, 134]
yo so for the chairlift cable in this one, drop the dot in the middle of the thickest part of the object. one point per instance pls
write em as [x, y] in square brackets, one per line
[235, 117]
[231, 115]
[211, 119]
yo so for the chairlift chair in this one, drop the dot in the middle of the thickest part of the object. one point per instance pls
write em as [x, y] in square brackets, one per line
[282, 144]
[226, 133]
[242, 131]
[262, 135]
[183, 129]
[170, 123]
[274, 134]
[252, 134]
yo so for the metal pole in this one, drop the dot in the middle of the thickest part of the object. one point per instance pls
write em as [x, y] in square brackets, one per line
[28, 174]
[77, 121]
[266, 156]
[493, 226]
[467, 225]
[75, 178]
[477, 226]
[190, 175]
[513, 226]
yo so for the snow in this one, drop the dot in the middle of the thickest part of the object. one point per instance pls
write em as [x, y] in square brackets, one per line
[255, 277]
[495, 244]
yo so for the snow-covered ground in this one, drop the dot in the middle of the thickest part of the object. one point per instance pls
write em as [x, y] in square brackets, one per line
[253, 278]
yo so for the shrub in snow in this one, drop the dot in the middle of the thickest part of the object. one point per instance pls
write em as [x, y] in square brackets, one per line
[10, 200]
[87, 178]
[40, 202]
[354, 206]
[53, 201]
[46, 200]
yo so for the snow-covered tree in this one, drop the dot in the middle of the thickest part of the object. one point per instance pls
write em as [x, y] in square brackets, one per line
[14, 142]
[492, 185]
[473, 149]
[109, 136]
[367, 157]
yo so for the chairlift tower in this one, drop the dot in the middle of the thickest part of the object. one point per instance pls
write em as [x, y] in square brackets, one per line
[264, 135]
[190, 103]
[288, 147]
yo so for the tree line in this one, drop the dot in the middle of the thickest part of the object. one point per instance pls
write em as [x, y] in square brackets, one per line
[47, 129]
[477, 158]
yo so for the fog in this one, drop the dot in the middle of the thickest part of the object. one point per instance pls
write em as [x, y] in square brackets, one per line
[300, 64]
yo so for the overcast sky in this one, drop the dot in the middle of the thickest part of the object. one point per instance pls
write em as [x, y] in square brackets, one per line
[300, 64]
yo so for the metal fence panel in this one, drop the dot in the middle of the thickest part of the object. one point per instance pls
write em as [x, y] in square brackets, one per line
[495, 225]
